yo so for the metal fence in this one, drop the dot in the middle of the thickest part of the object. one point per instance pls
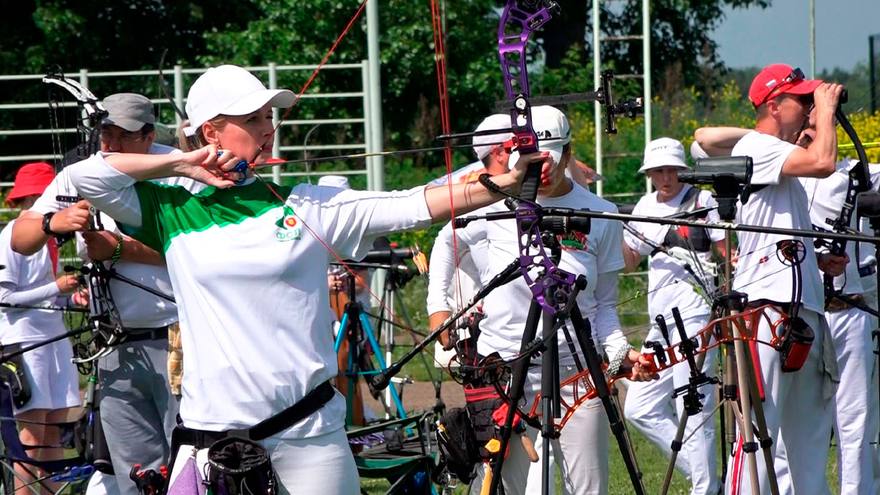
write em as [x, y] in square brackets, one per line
[366, 125]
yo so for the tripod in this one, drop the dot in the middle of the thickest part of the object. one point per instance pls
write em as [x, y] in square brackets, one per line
[355, 330]
[739, 382]
[566, 308]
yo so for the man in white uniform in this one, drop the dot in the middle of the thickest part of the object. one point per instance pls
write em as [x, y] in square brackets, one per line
[582, 449]
[650, 406]
[138, 410]
[794, 408]
[850, 328]
[443, 295]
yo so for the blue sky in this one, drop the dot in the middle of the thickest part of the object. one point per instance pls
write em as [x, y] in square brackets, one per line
[757, 37]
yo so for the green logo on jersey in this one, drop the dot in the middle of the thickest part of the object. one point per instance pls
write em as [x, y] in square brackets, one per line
[288, 226]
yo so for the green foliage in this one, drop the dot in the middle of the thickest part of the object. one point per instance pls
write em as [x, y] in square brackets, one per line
[683, 52]
[294, 32]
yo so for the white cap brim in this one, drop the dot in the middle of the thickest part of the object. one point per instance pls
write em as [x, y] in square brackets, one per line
[281, 98]
[650, 166]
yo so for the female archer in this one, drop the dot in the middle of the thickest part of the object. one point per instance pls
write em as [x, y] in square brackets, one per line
[248, 262]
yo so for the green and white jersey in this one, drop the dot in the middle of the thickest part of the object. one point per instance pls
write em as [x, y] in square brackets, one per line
[250, 278]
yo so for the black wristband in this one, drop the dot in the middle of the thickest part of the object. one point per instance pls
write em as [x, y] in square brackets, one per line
[47, 221]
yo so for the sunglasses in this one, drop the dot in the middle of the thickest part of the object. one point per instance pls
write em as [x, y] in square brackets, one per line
[795, 75]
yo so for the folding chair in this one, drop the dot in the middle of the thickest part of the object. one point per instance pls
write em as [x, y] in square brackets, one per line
[406, 458]
[69, 470]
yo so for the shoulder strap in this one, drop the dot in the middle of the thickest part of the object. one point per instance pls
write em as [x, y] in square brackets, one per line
[688, 200]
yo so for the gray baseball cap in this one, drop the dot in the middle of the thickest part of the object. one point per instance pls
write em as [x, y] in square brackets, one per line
[129, 111]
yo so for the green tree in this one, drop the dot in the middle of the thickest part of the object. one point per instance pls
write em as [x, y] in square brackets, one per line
[683, 52]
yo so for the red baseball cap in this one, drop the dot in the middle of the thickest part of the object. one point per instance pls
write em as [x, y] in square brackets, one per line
[31, 180]
[779, 79]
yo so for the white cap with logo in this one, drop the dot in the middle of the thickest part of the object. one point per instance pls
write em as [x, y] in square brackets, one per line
[229, 90]
[663, 152]
[553, 130]
[483, 144]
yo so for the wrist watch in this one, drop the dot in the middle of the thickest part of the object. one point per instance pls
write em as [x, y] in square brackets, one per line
[47, 220]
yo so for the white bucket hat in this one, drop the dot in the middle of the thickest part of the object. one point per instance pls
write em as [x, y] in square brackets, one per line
[663, 152]
[229, 90]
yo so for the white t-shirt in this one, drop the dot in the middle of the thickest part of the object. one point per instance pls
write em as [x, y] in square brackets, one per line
[783, 203]
[598, 253]
[446, 291]
[866, 251]
[25, 273]
[137, 308]
[250, 276]
[826, 198]
[669, 284]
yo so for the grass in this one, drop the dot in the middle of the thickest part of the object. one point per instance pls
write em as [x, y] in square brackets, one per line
[652, 465]
[651, 461]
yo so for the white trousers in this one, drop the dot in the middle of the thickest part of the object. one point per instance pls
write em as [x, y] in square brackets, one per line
[322, 465]
[854, 399]
[652, 409]
[581, 451]
[797, 408]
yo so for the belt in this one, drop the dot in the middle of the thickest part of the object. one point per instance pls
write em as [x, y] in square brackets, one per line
[303, 408]
[834, 304]
[139, 334]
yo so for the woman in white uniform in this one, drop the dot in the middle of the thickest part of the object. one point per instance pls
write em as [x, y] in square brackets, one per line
[249, 269]
[48, 372]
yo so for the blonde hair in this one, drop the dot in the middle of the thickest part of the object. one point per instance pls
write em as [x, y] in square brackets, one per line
[197, 140]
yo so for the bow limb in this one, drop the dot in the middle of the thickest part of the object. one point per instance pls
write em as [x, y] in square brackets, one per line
[859, 182]
[104, 319]
[715, 333]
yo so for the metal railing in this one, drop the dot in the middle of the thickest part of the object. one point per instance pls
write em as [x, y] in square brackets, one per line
[369, 124]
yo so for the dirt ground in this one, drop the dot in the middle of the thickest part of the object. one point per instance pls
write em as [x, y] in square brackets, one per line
[419, 396]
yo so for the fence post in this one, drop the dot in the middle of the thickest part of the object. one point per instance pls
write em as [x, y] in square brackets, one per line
[368, 130]
[276, 141]
[178, 93]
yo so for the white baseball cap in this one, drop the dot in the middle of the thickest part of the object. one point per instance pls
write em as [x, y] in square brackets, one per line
[339, 181]
[230, 90]
[484, 144]
[552, 128]
[663, 152]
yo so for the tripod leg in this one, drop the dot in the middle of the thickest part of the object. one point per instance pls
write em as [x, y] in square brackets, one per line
[518, 379]
[765, 442]
[676, 447]
[677, 443]
[549, 400]
[377, 351]
[749, 445]
[615, 419]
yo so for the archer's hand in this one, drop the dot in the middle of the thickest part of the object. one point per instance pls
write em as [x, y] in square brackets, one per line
[641, 368]
[100, 244]
[518, 172]
[80, 297]
[831, 264]
[826, 96]
[67, 283]
[74, 218]
[204, 165]
[334, 282]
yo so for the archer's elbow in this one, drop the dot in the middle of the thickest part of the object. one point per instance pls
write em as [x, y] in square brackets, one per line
[27, 237]
[826, 166]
